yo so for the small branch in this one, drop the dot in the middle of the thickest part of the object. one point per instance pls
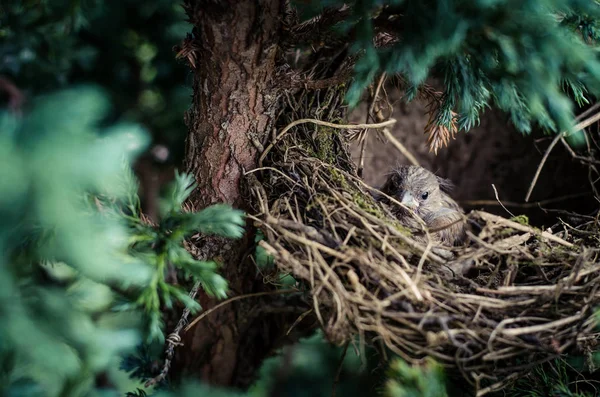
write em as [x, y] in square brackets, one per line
[363, 135]
[298, 320]
[517, 226]
[339, 370]
[541, 165]
[523, 205]
[586, 123]
[500, 202]
[323, 123]
[401, 148]
[173, 340]
[397, 144]
[496, 386]
[532, 329]
[236, 298]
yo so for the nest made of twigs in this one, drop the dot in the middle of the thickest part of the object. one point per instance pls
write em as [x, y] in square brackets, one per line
[528, 296]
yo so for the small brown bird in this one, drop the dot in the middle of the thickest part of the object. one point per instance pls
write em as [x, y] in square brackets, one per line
[426, 194]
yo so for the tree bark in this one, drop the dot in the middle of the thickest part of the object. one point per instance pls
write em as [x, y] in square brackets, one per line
[234, 49]
[233, 103]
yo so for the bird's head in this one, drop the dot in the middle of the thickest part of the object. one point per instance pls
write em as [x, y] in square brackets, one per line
[416, 188]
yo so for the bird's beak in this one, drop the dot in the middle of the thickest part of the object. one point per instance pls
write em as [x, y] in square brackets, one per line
[409, 201]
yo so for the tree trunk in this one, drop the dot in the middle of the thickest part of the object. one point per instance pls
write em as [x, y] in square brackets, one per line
[232, 107]
[233, 48]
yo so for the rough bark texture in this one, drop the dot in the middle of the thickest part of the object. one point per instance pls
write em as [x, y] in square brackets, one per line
[232, 109]
[231, 114]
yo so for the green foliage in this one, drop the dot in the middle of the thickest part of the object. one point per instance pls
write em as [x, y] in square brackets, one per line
[415, 381]
[61, 258]
[261, 256]
[194, 389]
[140, 365]
[79, 267]
[137, 393]
[162, 246]
[522, 219]
[313, 367]
[124, 46]
[557, 379]
[517, 54]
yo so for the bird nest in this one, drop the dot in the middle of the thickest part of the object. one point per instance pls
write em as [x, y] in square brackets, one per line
[513, 296]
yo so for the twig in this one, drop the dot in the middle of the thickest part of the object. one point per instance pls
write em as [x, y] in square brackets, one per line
[397, 144]
[319, 122]
[496, 386]
[486, 245]
[500, 202]
[541, 327]
[298, 320]
[363, 136]
[298, 81]
[339, 370]
[523, 205]
[173, 340]
[580, 126]
[401, 148]
[494, 218]
[236, 298]
[589, 111]
[589, 160]
[541, 165]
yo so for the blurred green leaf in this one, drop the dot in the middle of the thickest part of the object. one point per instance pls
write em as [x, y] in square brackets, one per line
[219, 219]
[62, 257]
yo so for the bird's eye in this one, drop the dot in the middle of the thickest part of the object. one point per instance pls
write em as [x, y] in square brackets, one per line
[424, 195]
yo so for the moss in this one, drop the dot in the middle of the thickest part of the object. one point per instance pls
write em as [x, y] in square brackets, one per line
[339, 178]
[319, 197]
[366, 202]
[522, 219]
[324, 145]
[358, 197]
[505, 232]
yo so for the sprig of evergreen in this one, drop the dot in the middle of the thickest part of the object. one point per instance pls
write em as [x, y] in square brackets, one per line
[162, 246]
[60, 256]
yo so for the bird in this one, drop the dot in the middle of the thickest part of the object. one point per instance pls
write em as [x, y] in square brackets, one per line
[426, 194]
